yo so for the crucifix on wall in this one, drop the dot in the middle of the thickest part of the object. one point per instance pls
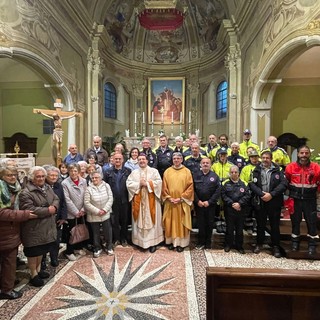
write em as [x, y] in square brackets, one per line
[57, 116]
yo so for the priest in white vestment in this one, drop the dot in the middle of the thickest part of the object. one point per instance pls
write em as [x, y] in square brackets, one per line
[144, 186]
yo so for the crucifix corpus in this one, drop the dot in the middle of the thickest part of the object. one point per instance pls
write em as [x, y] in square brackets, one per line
[57, 116]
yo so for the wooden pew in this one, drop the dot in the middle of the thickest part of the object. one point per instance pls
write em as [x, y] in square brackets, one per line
[264, 294]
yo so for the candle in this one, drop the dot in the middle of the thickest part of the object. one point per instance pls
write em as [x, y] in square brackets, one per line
[261, 145]
[180, 117]
[143, 119]
[162, 117]
[152, 117]
[189, 116]
[135, 117]
[172, 117]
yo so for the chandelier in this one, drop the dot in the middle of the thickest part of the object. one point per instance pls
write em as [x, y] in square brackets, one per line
[161, 15]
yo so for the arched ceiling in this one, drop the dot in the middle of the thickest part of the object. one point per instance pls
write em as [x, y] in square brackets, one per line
[197, 37]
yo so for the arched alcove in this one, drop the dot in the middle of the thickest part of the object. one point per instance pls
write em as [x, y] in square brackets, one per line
[288, 85]
[30, 82]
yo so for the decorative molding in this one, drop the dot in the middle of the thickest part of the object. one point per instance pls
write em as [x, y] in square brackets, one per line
[283, 13]
[314, 26]
[138, 89]
[231, 60]
[35, 23]
[193, 88]
[5, 35]
[6, 52]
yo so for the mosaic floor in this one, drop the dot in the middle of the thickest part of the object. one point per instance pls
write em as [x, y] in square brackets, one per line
[133, 285]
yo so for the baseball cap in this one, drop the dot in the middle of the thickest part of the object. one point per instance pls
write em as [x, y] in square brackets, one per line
[222, 151]
[246, 131]
[253, 153]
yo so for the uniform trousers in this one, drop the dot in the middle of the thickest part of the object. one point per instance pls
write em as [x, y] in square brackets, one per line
[309, 209]
[272, 212]
[205, 220]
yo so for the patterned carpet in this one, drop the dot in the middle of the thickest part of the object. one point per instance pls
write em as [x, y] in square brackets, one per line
[133, 284]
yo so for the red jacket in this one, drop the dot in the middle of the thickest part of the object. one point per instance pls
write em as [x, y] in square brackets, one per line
[303, 180]
[10, 227]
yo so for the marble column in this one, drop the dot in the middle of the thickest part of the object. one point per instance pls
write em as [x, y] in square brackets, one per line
[233, 66]
[94, 67]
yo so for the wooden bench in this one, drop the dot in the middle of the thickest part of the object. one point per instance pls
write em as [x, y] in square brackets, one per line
[264, 294]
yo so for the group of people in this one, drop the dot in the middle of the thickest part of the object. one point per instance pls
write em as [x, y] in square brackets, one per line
[159, 190]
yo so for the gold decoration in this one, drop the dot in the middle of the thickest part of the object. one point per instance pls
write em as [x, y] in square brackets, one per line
[314, 24]
[16, 147]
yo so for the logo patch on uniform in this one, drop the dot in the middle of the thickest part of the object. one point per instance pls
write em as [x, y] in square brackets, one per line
[168, 154]
[211, 179]
[241, 190]
[255, 180]
[277, 176]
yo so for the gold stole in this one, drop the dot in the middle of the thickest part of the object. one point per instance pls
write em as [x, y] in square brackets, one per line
[152, 204]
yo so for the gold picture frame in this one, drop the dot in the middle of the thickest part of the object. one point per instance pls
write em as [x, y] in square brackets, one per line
[166, 100]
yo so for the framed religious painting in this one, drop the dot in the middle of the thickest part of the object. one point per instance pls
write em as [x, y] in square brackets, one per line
[166, 100]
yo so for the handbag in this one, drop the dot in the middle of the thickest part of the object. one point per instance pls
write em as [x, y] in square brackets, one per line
[79, 233]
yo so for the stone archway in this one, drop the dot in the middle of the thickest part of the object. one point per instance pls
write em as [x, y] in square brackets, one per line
[269, 81]
[46, 74]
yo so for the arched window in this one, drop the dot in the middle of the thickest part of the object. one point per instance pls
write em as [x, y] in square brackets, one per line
[110, 101]
[222, 100]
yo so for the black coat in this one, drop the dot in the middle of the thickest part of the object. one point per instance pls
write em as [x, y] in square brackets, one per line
[120, 192]
[277, 186]
[233, 192]
[206, 187]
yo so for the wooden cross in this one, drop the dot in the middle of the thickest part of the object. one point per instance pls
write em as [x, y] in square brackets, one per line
[57, 116]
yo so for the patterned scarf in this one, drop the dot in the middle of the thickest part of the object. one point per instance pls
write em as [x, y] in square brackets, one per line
[6, 192]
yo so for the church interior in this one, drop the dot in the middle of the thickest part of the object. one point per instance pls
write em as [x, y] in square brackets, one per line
[110, 66]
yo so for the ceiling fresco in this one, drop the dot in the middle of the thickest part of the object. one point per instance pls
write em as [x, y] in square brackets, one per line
[193, 40]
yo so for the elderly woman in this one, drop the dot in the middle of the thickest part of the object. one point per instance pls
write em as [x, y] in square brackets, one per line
[98, 200]
[83, 165]
[74, 188]
[38, 235]
[10, 218]
[61, 217]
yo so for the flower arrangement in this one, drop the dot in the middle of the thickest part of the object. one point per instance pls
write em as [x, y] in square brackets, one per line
[183, 135]
[140, 136]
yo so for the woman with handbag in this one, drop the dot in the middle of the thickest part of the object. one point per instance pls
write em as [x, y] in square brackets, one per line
[38, 235]
[98, 200]
[74, 188]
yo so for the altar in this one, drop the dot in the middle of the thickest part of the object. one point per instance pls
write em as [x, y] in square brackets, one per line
[136, 142]
[23, 161]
